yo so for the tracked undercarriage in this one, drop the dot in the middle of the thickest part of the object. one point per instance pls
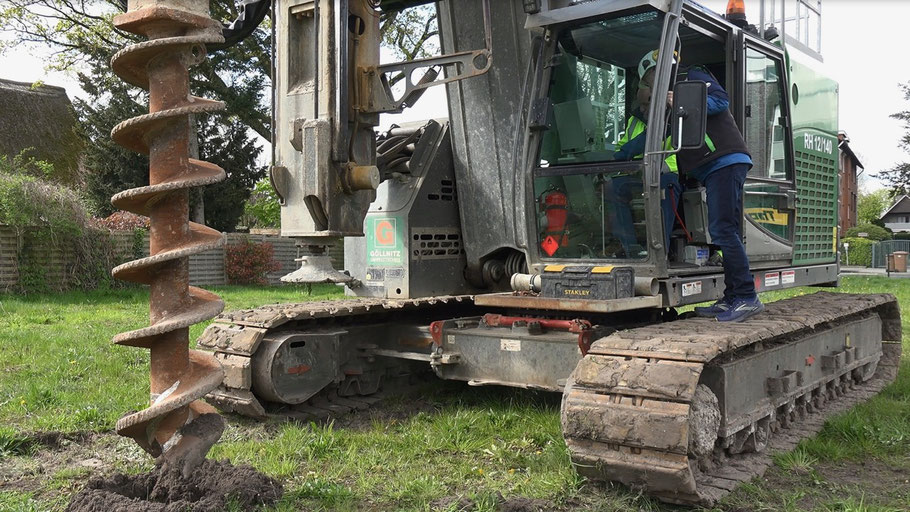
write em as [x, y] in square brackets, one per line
[683, 409]
[270, 369]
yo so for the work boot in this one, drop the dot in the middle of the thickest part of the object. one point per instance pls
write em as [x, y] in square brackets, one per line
[714, 309]
[741, 309]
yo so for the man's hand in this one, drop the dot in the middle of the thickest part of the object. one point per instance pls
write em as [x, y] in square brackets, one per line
[670, 98]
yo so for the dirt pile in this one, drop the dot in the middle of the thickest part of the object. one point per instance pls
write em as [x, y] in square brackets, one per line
[208, 489]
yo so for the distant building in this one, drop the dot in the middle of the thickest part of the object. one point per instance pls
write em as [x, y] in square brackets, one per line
[897, 218]
[41, 118]
[849, 165]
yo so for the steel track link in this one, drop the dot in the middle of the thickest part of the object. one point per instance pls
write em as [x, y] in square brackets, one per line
[626, 408]
[235, 336]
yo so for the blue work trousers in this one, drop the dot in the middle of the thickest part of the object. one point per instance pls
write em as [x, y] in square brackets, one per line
[624, 188]
[724, 189]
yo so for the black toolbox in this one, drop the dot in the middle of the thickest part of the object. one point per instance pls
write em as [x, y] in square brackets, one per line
[587, 282]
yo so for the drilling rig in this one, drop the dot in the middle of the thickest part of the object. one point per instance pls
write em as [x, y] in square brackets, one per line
[485, 247]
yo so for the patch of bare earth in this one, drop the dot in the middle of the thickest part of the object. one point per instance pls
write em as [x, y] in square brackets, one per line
[86, 470]
[873, 482]
[210, 488]
[53, 454]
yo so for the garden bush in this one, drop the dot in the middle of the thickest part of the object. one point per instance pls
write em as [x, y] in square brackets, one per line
[49, 220]
[875, 232]
[262, 210]
[860, 251]
[248, 262]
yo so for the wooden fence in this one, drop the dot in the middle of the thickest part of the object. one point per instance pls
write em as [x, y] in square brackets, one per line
[9, 249]
[206, 269]
[49, 266]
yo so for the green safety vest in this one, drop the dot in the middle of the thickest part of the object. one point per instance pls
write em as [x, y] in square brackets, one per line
[634, 127]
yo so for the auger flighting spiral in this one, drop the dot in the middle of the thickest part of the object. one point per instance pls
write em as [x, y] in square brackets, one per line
[177, 426]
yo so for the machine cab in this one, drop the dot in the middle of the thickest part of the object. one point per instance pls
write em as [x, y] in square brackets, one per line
[605, 189]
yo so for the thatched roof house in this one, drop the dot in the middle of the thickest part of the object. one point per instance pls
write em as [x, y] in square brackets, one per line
[42, 118]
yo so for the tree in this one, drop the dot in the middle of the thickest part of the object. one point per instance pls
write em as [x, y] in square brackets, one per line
[112, 168]
[410, 34]
[870, 207]
[898, 177]
[224, 141]
[262, 209]
[82, 36]
[83, 40]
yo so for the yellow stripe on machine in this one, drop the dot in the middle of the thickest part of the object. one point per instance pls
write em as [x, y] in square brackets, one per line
[602, 270]
[768, 216]
[554, 268]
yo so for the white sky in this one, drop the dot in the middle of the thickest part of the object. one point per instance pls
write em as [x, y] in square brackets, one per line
[862, 44]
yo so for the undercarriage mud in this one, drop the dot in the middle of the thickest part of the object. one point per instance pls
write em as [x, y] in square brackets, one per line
[236, 336]
[686, 410]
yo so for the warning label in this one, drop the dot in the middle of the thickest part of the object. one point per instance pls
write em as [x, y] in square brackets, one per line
[772, 279]
[693, 288]
[788, 277]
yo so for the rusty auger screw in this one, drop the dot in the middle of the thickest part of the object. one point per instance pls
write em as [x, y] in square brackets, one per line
[176, 427]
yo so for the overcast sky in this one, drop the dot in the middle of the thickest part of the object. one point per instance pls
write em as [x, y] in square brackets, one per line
[861, 45]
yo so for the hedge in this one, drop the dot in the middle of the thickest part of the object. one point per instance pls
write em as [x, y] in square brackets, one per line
[874, 232]
[860, 252]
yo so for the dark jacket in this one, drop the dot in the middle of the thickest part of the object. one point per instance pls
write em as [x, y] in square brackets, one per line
[723, 136]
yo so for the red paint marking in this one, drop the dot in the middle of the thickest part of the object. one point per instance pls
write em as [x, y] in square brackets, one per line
[436, 331]
[810, 360]
[296, 370]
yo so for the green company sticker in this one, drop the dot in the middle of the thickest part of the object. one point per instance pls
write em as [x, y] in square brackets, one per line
[385, 241]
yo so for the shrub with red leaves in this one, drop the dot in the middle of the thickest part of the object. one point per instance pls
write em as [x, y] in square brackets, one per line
[248, 262]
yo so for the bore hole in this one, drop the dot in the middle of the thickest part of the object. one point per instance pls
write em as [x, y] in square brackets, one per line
[298, 344]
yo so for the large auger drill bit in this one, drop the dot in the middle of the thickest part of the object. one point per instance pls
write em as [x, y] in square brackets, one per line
[177, 427]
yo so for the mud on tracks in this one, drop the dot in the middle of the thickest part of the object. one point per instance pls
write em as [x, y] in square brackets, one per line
[209, 489]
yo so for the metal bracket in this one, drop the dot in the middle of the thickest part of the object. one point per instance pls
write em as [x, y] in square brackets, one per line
[460, 65]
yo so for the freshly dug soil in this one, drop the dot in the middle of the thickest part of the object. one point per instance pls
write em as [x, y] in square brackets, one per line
[208, 489]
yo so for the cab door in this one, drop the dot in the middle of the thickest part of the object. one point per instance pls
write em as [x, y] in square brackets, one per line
[769, 201]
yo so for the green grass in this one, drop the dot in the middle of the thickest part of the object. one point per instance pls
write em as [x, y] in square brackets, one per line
[497, 440]
[58, 369]
[59, 372]
[13, 501]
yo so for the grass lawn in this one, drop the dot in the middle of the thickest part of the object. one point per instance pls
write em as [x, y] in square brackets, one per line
[63, 386]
